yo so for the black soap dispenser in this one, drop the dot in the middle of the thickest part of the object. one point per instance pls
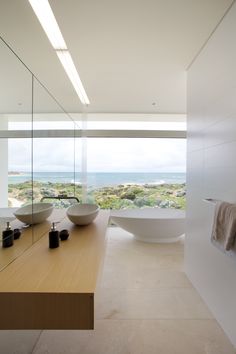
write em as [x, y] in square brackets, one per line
[53, 237]
[7, 236]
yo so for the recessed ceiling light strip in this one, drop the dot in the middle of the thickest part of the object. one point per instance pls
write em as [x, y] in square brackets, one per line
[69, 66]
[48, 21]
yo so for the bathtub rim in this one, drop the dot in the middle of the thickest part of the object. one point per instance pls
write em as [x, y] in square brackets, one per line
[149, 217]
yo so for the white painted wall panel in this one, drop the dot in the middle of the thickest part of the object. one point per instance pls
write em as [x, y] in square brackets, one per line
[211, 169]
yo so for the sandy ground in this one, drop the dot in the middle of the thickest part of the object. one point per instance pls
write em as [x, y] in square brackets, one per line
[15, 203]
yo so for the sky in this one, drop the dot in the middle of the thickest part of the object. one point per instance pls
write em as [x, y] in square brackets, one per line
[103, 155]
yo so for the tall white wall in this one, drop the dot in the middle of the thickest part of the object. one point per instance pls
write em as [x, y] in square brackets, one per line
[211, 169]
[3, 165]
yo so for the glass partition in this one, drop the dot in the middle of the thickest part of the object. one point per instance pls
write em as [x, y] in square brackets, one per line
[136, 172]
[53, 156]
[40, 157]
[15, 153]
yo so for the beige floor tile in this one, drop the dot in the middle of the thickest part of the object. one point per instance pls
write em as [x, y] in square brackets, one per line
[172, 303]
[144, 305]
[18, 342]
[124, 251]
[139, 337]
[127, 259]
[116, 276]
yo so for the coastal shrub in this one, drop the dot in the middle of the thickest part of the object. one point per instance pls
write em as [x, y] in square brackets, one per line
[168, 204]
[116, 197]
[180, 193]
[128, 195]
[144, 201]
[48, 193]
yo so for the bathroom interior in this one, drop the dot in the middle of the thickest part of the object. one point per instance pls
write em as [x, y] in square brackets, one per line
[140, 271]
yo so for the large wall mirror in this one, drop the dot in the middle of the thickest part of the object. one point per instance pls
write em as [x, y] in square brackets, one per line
[39, 156]
[15, 153]
[54, 162]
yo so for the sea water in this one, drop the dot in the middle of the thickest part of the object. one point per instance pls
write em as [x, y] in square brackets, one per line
[101, 179]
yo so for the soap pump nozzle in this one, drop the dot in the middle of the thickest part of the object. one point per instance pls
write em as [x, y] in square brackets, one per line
[53, 227]
[8, 226]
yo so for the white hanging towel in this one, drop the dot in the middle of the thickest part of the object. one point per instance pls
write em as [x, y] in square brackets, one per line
[224, 226]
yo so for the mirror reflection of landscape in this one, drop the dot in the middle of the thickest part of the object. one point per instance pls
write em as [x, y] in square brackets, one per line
[35, 163]
[15, 116]
[53, 156]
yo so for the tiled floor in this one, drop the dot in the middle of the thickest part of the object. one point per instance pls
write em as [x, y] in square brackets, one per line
[145, 305]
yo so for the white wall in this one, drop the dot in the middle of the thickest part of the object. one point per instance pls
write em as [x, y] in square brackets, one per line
[211, 168]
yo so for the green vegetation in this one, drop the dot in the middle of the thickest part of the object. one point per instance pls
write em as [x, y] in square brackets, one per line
[116, 197]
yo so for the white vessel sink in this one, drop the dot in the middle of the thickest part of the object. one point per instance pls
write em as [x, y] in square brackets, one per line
[82, 214]
[34, 213]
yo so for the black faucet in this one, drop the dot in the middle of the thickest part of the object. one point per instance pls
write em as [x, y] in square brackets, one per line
[59, 197]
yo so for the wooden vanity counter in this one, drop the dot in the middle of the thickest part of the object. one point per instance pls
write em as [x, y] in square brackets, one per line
[54, 288]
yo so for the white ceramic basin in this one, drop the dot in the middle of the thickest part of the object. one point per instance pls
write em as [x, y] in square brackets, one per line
[82, 214]
[34, 214]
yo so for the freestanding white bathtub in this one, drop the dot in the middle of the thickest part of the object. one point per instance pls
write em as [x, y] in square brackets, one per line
[151, 224]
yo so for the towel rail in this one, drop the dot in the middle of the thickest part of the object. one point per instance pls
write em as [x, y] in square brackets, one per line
[210, 200]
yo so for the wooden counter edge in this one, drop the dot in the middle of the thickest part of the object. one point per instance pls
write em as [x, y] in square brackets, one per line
[47, 310]
[60, 311]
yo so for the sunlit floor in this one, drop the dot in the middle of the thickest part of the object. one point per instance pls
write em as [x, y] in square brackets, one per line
[145, 305]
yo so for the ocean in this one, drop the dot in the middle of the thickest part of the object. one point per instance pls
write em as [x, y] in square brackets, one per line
[101, 179]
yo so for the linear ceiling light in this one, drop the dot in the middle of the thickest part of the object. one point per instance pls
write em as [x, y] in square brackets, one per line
[73, 75]
[48, 21]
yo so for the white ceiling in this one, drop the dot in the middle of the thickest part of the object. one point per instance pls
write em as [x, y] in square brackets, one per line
[129, 53]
